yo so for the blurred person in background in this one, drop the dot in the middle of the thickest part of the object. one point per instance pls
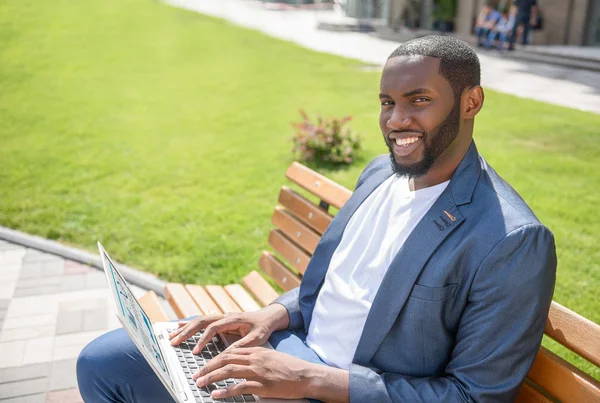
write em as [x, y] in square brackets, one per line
[503, 29]
[486, 21]
[527, 12]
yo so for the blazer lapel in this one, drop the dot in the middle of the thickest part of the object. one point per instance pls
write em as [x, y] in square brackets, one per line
[438, 223]
[402, 274]
[317, 268]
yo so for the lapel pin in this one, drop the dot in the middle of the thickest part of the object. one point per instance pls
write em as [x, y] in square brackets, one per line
[450, 216]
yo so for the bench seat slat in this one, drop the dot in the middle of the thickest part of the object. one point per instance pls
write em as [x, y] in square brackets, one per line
[152, 306]
[291, 252]
[322, 187]
[242, 298]
[575, 332]
[203, 300]
[260, 288]
[294, 229]
[278, 271]
[223, 300]
[310, 214]
[563, 380]
[182, 303]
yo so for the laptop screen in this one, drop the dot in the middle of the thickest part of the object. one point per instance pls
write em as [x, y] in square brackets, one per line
[136, 322]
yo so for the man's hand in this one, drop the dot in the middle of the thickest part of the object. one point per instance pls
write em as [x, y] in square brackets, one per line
[254, 327]
[268, 373]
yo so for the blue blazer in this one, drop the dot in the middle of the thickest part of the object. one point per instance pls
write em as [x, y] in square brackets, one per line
[460, 313]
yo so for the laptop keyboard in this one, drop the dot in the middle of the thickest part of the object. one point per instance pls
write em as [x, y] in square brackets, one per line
[191, 363]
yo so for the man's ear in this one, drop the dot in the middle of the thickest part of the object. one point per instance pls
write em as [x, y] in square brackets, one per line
[473, 101]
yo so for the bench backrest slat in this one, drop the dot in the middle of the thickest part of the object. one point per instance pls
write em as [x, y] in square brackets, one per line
[278, 271]
[575, 332]
[563, 380]
[310, 214]
[322, 187]
[530, 394]
[296, 256]
[296, 230]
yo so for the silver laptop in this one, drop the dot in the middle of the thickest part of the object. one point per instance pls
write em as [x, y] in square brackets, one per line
[174, 365]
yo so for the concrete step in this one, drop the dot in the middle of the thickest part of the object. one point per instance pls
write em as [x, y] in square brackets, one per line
[554, 59]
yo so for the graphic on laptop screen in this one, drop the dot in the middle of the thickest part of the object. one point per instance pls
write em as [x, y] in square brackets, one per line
[140, 324]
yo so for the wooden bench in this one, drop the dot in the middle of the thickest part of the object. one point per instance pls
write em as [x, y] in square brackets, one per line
[299, 224]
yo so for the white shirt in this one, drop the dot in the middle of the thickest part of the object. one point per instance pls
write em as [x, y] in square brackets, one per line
[373, 236]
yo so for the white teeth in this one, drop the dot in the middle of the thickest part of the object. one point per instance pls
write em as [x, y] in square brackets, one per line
[406, 141]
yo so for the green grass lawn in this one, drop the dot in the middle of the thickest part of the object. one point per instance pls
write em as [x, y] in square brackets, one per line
[165, 135]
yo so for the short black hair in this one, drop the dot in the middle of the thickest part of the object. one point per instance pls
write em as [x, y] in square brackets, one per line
[459, 63]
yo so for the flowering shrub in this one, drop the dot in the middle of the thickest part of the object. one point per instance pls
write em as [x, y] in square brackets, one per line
[325, 140]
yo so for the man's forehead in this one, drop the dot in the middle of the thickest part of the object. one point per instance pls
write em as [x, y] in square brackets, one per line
[411, 63]
[410, 69]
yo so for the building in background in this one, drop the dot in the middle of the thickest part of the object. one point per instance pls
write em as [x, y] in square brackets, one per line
[565, 22]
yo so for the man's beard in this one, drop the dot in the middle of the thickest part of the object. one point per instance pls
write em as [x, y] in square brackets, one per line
[441, 137]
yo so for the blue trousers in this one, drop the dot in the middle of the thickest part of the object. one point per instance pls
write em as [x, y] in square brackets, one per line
[112, 369]
[500, 36]
[481, 33]
[524, 21]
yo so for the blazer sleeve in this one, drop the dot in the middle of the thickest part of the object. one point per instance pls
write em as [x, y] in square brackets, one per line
[291, 301]
[499, 332]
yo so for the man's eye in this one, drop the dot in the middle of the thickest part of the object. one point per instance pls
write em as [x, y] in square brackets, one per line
[386, 103]
[420, 100]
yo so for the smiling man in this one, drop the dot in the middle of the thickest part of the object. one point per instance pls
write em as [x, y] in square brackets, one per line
[432, 283]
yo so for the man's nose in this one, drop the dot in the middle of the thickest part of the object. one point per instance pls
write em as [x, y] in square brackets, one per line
[399, 119]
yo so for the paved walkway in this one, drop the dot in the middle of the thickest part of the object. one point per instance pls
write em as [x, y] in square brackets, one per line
[579, 89]
[50, 308]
